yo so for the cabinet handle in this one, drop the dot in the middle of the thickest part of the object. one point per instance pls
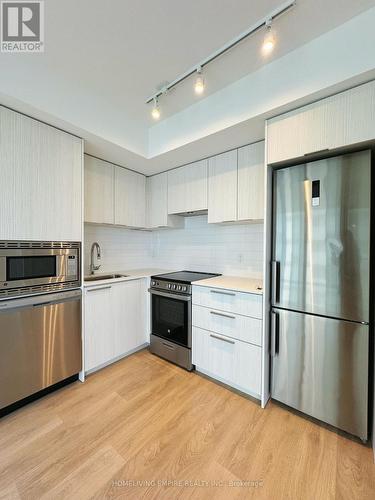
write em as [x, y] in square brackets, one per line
[221, 338]
[223, 293]
[222, 314]
[100, 288]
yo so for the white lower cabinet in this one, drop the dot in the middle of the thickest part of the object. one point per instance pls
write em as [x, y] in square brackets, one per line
[115, 321]
[129, 315]
[227, 337]
[247, 304]
[99, 345]
[231, 361]
[235, 325]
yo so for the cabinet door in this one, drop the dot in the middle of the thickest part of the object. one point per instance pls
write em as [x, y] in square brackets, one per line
[222, 187]
[99, 191]
[130, 198]
[157, 200]
[41, 180]
[340, 120]
[231, 361]
[99, 336]
[251, 182]
[130, 315]
[187, 188]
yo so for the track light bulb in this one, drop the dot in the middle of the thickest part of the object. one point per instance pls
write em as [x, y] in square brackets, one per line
[269, 40]
[155, 113]
[199, 83]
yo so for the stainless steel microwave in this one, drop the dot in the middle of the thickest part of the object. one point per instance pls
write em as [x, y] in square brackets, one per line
[28, 267]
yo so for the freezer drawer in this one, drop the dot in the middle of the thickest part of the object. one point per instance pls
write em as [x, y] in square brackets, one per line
[40, 343]
[320, 367]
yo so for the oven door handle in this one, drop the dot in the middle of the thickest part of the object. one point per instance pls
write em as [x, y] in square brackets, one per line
[185, 298]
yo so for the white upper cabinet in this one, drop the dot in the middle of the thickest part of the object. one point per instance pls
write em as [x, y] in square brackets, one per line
[41, 181]
[99, 191]
[187, 188]
[222, 187]
[340, 120]
[130, 198]
[157, 200]
[251, 182]
[157, 203]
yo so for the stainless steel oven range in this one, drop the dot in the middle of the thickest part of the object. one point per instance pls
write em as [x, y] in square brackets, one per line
[171, 329]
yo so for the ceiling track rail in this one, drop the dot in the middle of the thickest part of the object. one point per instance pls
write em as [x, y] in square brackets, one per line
[265, 21]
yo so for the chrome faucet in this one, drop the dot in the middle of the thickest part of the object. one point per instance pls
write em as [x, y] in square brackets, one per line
[94, 246]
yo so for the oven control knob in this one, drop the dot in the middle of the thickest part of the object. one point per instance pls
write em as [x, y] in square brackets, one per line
[179, 287]
[173, 287]
[184, 288]
[169, 286]
[153, 283]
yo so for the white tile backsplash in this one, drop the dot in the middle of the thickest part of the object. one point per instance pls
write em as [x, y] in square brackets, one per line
[121, 248]
[227, 249]
[235, 249]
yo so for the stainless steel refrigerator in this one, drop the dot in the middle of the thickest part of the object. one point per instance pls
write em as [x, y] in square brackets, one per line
[321, 288]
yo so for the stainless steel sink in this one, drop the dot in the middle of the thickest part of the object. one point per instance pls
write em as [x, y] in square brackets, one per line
[100, 277]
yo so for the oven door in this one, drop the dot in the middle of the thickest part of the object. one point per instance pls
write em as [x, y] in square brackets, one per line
[171, 317]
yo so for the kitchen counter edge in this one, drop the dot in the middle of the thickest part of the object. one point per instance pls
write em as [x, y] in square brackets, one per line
[233, 283]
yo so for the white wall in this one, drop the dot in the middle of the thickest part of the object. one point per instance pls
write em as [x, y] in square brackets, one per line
[122, 249]
[227, 249]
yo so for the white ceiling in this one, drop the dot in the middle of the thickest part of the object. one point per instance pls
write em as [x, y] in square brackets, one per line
[103, 59]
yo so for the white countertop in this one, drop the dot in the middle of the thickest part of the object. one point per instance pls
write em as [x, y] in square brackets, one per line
[236, 283]
[133, 274]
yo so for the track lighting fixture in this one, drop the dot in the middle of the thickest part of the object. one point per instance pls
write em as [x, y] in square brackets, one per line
[267, 47]
[269, 39]
[155, 113]
[199, 82]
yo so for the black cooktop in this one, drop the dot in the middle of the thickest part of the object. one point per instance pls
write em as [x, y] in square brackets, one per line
[184, 276]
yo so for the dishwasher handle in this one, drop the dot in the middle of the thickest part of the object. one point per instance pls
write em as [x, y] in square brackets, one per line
[40, 300]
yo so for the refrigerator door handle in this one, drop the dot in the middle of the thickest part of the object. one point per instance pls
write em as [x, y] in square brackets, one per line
[275, 332]
[275, 271]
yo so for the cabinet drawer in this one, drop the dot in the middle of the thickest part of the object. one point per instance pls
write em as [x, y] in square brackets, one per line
[229, 324]
[247, 304]
[233, 362]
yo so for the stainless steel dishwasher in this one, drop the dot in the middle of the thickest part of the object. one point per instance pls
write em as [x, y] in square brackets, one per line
[40, 343]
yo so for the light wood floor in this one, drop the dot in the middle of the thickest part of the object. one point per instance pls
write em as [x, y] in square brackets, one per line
[145, 420]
